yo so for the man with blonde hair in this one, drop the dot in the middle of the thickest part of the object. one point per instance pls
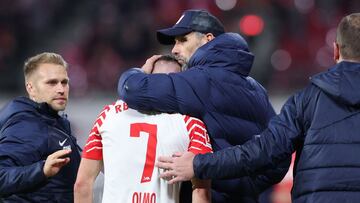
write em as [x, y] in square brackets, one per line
[39, 156]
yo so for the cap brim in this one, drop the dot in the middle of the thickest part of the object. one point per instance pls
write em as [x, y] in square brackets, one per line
[167, 36]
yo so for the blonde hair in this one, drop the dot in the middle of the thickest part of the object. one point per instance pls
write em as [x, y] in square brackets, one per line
[32, 63]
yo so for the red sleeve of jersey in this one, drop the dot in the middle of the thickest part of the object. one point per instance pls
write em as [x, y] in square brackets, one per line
[199, 138]
[93, 147]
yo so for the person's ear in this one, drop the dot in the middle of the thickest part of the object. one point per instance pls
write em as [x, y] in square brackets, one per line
[336, 52]
[29, 89]
[209, 37]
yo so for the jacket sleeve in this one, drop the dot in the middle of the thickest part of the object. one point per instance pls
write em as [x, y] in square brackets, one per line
[160, 92]
[271, 176]
[267, 150]
[19, 179]
[21, 167]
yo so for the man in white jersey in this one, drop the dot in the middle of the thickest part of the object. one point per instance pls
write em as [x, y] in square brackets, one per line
[126, 143]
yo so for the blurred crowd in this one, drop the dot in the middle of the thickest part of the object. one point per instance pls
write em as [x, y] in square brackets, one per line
[101, 39]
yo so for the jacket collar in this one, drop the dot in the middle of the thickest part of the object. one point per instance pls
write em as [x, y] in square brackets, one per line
[229, 51]
[341, 81]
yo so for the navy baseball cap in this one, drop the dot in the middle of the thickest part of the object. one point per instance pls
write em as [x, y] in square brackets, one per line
[190, 21]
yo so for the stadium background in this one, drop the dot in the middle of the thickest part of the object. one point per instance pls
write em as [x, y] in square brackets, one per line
[291, 40]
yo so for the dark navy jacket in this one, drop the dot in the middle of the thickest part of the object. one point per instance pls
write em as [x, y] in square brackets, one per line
[322, 124]
[29, 133]
[218, 90]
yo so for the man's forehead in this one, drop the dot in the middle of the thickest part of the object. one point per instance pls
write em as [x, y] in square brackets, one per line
[50, 70]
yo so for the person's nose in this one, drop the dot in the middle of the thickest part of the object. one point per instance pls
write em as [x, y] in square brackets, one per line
[60, 88]
[175, 50]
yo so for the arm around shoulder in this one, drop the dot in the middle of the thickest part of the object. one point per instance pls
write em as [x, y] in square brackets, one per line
[159, 92]
[122, 85]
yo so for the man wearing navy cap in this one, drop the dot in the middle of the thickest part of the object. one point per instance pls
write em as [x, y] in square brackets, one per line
[215, 87]
[191, 20]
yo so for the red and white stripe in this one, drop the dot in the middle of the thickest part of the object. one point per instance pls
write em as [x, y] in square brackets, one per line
[93, 147]
[199, 138]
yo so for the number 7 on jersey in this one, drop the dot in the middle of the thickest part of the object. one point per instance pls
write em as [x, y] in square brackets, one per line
[151, 129]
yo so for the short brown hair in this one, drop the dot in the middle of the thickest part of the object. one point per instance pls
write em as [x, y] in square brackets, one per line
[347, 37]
[32, 63]
[169, 58]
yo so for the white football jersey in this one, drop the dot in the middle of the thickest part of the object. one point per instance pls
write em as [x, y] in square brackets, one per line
[129, 142]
